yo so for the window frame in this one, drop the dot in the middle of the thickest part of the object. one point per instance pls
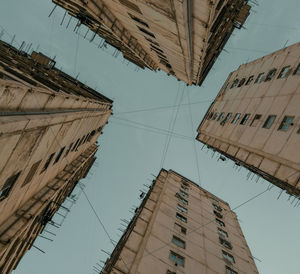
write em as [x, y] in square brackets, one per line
[181, 217]
[284, 72]
[225, 243]
[31, 173]
[259, 78]
[182, 209]
[227, 255]
[266, 124]
[250, 79]
[178, 242]
[230, 271]
[182, 229]
[177, 256]
[222, 233]
[245, 119]
[284, 125]
[8, 185]
[270, 74]
[236, 117]
[221, 223]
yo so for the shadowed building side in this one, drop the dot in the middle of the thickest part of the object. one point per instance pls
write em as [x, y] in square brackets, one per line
[183, 38]
[49, 125]
[181, 228]
[255, 119]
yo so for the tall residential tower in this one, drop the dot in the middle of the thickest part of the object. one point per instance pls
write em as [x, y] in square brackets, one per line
[49, 124]
[183, 38]
[181, 228]
[255, 119]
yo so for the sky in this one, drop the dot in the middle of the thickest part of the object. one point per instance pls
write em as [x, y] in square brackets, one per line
[130, 155]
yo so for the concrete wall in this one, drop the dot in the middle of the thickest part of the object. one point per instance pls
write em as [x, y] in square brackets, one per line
[271, 152]
[148, 247]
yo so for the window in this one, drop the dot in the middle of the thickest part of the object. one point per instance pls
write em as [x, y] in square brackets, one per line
[181, 208]
[245, 119]
[184, 187]
[184, 194]
[235, 83]
[220, 222]
[177, 259]
[222, 233]
[215, 116]
[184, 201]
[284, 72]
[170, 272]
[180, 228]
[219, 215]
[221, 116]
[184, 182]
[286, 123]
[235, 119]
[270, 75]
[178, 242]
[269, 122]
[225, 243]
[228, 256]
[47, 162]
[136, 19]
[227, 118]
[181, 218]
[259, 78]
[230, 271]
[8, 185]
[242, 82]
[255, 120]
[146, 31]
[151, 41]
[250, 79]
[69, 149]
[59, 155]
[217, 207]
[297, 70]
[130, 5]
[31, 173]
[75, 145]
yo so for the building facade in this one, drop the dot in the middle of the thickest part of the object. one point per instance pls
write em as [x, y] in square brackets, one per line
[255, 119]
[49, 124]
[181, 228]
[182, 38]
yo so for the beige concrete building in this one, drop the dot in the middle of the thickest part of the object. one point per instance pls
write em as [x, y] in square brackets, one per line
[255, 119]
[49, 124]
[183, 38]
[181, 228]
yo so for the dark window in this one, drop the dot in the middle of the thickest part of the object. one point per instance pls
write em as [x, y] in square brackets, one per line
[228, 256]
[259, 78]
[181, 218]
[184, 182]
[217, 207]
[220, 222]
[255, 120]
[151, 41]
[235, 83]
[270, 75]
[286, 123]
[230, 271]
[182, 209]
[227, 118]
[146, 31]
[221, 116]
[242, 82]
[93, 132]
[47, 162]
[31, 173]
[297, 70]
[235, 119]
[130, 5]
[69, 149]
[178, 242]
[158, 49]
[219, 215]
[180, 228]
[177, 259]
[184, 187]
[222, 233]
[250, 79]
[59, 155]
[8, 185]
[76, 144]
[136, 19]
[215, 116]
[184, 201]
[269, 122]
[170, 272]
[225, 243]
[184, 194]
[284, 72]
[245, 119]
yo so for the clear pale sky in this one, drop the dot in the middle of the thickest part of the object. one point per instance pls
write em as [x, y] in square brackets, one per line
[128, 155]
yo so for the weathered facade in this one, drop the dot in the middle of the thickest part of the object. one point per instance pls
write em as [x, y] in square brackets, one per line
[255, 119]
[181, 228]
[49, 124]
[183, 38]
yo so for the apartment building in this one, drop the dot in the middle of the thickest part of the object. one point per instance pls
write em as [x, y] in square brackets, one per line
[181, 228]
[182, 38]
[49, 125]
[255, 119]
